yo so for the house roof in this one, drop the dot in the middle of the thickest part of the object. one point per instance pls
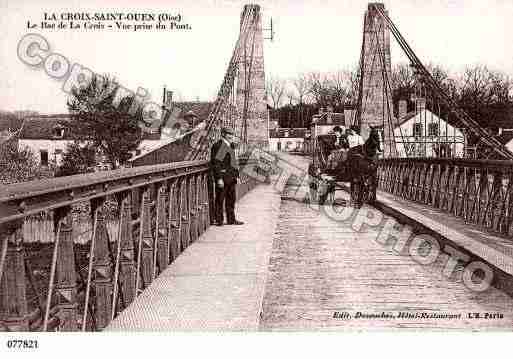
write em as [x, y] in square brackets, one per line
[200, 109]
[292, 132]
[334, 118]
[42, 127]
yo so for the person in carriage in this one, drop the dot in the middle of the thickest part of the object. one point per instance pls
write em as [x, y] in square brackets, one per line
[345, 157]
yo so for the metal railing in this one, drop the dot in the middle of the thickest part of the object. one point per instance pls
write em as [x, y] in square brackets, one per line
[68, 286]
[478, 191]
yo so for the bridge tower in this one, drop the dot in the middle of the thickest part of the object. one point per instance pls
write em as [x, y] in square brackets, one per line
[251, 125]
[375, 100]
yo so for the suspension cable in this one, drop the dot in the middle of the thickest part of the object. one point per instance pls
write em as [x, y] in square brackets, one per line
[461, 115]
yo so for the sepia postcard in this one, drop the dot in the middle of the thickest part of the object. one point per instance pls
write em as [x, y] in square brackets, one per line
[273, 166]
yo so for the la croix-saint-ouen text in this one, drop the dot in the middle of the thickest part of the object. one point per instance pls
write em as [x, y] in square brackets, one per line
[111, 16]
[96, 21]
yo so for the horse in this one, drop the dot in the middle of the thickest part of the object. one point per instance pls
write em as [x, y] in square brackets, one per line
[363, 168]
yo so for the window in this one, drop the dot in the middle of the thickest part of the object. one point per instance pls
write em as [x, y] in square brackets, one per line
[58, 132]
[417, 129]
[433, 129]
[44, 157]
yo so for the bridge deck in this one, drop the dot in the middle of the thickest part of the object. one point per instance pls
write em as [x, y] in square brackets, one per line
[291, 267]
[320, 266]
[218, 282]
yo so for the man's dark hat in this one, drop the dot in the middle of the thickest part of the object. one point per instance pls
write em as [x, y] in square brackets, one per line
[227, 130]
[355, 128]
[337, 129]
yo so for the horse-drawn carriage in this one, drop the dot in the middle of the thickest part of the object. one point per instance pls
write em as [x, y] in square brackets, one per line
[356, 166]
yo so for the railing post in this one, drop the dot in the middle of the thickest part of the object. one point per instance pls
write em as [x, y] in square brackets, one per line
[125, 256]
[192, 208]
[199, 204]
[410, 187]
[508, 225]
[66, 287]
[435, 186]
[211, 198]
[460, 192]
[499, 201]
[13, 300]
[484, 198]
[146, 255]
[444, 187]
[422, 183]
[102, 268]
[174, 220]
[162, 228]
[492, 213]
[206, 202]
[473, 195]
[429, 182]
[184, 211]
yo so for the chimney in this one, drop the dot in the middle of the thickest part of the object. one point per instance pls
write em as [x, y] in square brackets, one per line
[169, 98]
[403, 108]
[421, 104]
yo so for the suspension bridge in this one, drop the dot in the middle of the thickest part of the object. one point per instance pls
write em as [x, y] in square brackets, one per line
[433, 250]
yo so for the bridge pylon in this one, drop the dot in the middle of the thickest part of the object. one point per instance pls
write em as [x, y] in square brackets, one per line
[252, 123]
[375, 100]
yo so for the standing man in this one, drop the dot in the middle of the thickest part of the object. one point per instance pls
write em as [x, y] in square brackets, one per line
[225, 171]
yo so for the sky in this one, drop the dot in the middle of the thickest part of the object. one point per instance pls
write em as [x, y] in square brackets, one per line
[322, 35]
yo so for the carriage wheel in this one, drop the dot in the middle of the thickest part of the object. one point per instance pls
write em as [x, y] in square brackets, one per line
[313, 195]
[371, 191]
[322, 198]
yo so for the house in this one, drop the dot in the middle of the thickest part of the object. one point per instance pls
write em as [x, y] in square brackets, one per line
[46, 136]
[421, 133]
[324, 122]
[287, 139]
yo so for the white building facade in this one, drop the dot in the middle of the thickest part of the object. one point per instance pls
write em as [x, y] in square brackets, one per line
[422, 133]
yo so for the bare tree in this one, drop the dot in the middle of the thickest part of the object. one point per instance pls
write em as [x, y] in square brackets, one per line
[402, 78]
[339, 85]
[291, 97]
[301, 88]
[318, 86]
[275, 89]
[333, 88]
